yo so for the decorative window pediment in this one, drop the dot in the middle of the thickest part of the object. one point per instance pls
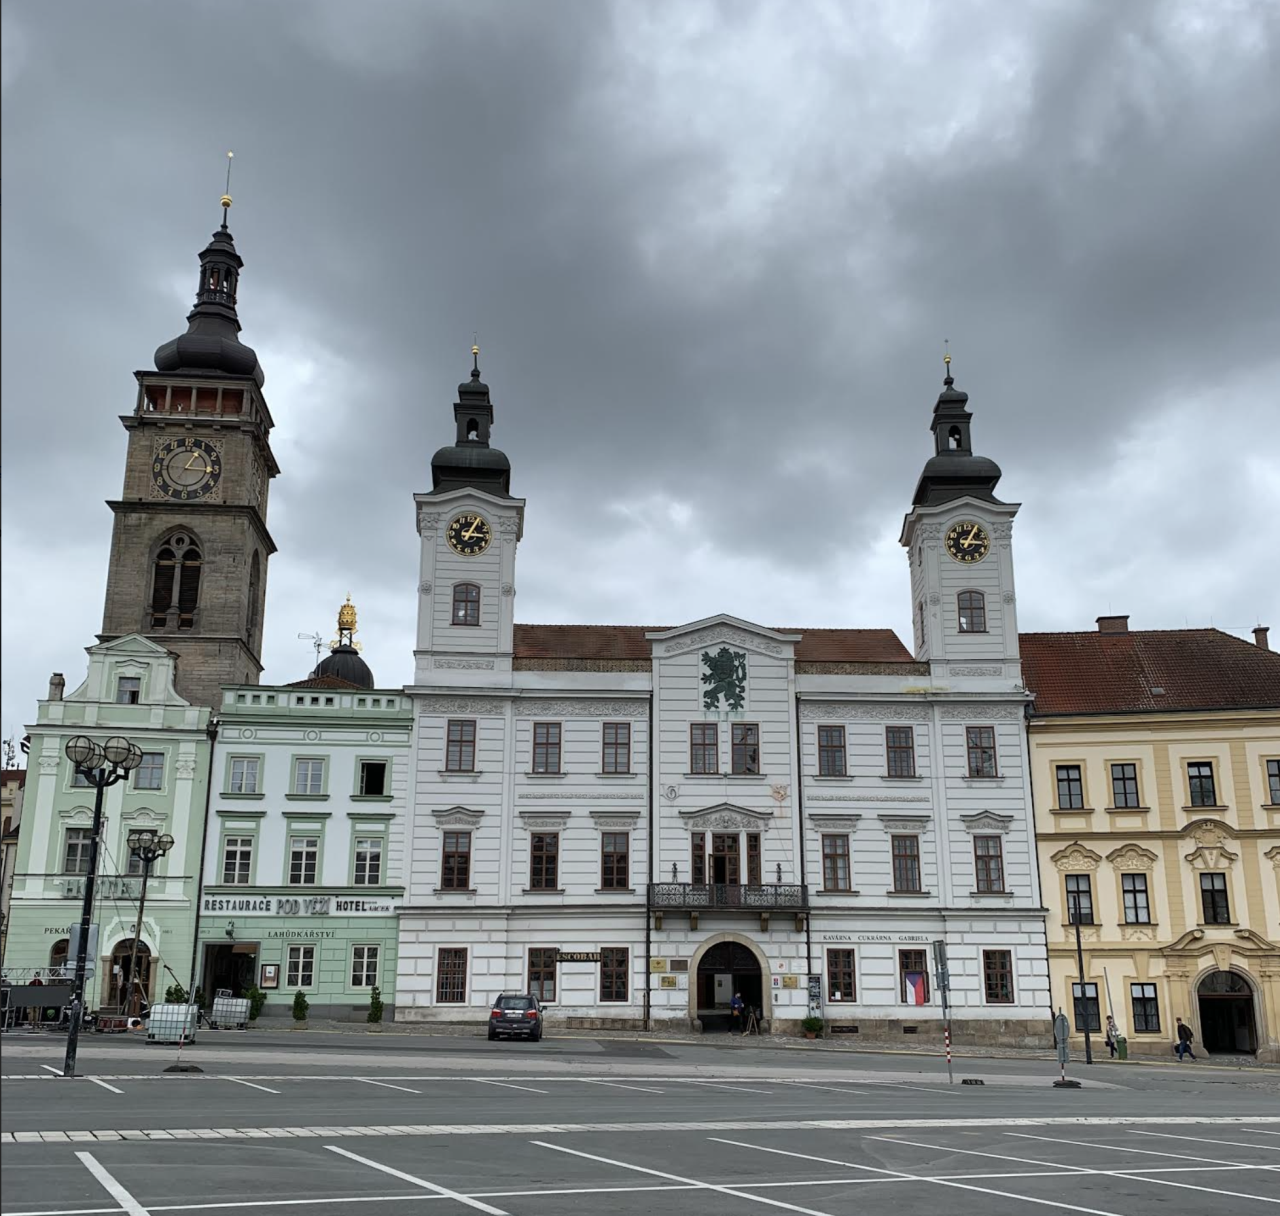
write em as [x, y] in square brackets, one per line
[987, 822]
[727, 817]
[543, 821]
[1132, 857]
[1212, 857]
[619, 820]
[1076, 857]
[905, 823]
[833, 821]
[457, 817]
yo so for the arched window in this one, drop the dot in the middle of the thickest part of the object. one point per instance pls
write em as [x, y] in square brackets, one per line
[118, 982]
[466, 604]
[953, 438]
[175, 587]
[58, 954]
[473, 429]
[973, 611]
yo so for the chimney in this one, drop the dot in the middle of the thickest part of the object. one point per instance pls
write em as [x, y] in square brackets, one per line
[1260, 637]
[56, 686]
[1113, 624]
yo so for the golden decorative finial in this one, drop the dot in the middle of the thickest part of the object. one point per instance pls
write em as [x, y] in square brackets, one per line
[946, 346]
[226, 198]
[475, 356]
[347, 616]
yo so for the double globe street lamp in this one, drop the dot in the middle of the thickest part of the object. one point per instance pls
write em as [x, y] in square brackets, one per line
[148, 848]
[101, 765]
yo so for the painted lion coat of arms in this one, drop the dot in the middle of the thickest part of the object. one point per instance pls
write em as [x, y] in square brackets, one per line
[725, 676]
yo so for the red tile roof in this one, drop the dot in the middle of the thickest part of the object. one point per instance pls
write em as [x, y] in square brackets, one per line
[628, 642]
[1102, 673]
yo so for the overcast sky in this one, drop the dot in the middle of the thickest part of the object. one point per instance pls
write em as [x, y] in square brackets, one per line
[712, 252]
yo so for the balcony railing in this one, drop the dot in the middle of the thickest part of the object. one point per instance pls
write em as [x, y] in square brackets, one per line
[727, 897]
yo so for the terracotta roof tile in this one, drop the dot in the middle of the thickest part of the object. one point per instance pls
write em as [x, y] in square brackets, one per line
[628, 642]
[1100, 673]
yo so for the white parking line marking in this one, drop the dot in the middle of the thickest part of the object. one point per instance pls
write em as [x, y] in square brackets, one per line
[710, 1186]
[387, 1085]
[104, 1085]
[130, 1205]
[251, 1084]
[642, 1089]
[57, 1072]
[830, 1088]
[506, 1085]
[422, 1182]
[1204, 1140]
[1128, 1148]
[736, 1089]
[973, 1152]
[963, 1186]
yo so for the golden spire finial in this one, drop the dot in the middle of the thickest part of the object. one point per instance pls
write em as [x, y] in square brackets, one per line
[226, 197]
[347, 616]
[946, 362]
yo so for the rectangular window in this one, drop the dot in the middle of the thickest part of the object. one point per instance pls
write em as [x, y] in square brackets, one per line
[616, 757]
[542, 973]
[835, 863]
[981, 744]
[613, 973]
[373, 778]
[1070, 787]
[988, 863]
[135, 866]
[128, 690]
[900, 749]
[544, 861]
[244, 775]
[75, 860]
[746, 747]
[704, 748]
[913, 977]
[78, 780]
[1200, 780]
[451, 975]
[1273, 782]
[301, 968]
[1088, 1012]
[1079, 899]
[698, 858]
[368, 871]
[1124, 785]
[460, 756]
[466, 604]
[997, 976]
[1146, 1008]
[237, 860]
[1137, 908]
[308, 777]
[546, 747]
[971, 608]
[841, 984]
[1213, 899]
[455, 868]
[149, 775]
[615, 861]
[303, 853]
[906, 862]
[753, 859]
[364, 966]
[831, 752]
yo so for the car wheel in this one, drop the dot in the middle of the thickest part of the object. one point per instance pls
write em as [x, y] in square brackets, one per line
[536, 1037]
[492, 1036]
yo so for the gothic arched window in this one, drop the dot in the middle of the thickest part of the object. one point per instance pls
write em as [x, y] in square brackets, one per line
[466, 604]
[973, 611]
[175, 587]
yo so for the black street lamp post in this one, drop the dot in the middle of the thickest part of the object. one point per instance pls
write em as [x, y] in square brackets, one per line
[1083, 1006]
[148, 848]
[101, 765]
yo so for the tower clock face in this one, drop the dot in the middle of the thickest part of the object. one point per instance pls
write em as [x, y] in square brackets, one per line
[186, 469]
[968, 542]
[469, 535]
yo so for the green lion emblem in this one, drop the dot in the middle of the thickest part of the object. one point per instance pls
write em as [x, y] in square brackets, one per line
[726, 676]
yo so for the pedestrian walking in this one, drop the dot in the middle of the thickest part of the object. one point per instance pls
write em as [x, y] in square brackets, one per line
[1185, 1039]
[36, 1012]
[736, 1007]
[1113, 1033]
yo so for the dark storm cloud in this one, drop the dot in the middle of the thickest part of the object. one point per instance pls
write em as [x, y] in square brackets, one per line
[711, 252]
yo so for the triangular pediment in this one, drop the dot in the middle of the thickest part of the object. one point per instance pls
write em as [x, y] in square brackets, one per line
[727, 817]
[722, 628]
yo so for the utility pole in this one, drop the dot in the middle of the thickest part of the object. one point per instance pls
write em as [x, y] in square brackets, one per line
[1084, 1000]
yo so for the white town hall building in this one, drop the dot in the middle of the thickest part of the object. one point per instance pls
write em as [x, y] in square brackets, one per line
[634, 824]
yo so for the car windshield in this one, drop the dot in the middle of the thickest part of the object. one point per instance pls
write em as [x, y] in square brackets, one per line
[515, 1002]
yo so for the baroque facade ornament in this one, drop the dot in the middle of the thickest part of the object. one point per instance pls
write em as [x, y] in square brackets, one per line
[428, 520]
[509, 523]
[826, 821]
[962, 669]
[934, 598]
[462, 664]
[424, 588]
[615, 819]
[981, 712]
[1273, 855]
[1212, 857]
[508, 589]
[928, 532]
[479, 706]
[557, 796]
[49, 764]
[1003, 531]
[1076, 857]
[543, 821]
[1137, 933]
[904, 823]
[185, 767]
[833, 711]
[888, 798]
[721, 634]
[725, 678]
[987, 821]
[728, 817]
[1008, 597]
[1132, 857]
[587, 707]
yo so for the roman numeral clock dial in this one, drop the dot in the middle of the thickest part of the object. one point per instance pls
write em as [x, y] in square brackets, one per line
[968, 542]
[469, 535]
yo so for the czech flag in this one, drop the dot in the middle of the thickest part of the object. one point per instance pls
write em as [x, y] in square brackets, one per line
[917, 988]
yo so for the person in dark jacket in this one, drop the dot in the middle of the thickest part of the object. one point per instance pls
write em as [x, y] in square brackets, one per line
[1185, 1039]
[737, 1007]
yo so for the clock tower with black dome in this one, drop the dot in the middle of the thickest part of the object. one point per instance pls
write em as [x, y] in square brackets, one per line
[190, 545]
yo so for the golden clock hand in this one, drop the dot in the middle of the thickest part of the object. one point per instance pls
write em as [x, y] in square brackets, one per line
[191, 464]
[470, 533]
[972, 539]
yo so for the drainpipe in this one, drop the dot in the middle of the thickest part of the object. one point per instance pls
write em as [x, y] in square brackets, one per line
[648, 918]
[804, 883]
[212, 732]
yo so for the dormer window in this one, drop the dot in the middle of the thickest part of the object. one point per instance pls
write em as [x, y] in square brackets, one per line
[466, 604]
[972, 606]
[128, 690]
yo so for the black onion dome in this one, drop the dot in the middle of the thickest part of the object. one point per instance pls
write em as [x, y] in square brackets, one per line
[954, 471]
[469, 462]
[344, 663]
[212, 341]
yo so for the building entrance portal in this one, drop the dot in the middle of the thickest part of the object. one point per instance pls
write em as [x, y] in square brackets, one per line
[726, 968]
[1226, 1013]
[231, 967]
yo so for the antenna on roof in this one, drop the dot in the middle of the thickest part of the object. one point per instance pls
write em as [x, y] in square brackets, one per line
[317, 641]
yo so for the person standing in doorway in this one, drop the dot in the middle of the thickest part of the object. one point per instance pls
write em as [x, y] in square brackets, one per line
[736, 1008]
[1185, 1039]
[36, 1012]
[1113, 1033]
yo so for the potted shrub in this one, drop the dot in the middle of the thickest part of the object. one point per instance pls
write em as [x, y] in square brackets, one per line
[300, 1007]
[811, 1026]
[257, 999]
[374, 1017]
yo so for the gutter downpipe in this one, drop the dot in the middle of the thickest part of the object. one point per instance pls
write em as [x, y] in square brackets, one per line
[648, 918]
[212, 732]
[804, 882]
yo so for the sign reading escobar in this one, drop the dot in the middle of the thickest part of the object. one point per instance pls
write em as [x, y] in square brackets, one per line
[307, 905]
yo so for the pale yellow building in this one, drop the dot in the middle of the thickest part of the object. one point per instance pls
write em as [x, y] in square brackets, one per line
[1155, 762]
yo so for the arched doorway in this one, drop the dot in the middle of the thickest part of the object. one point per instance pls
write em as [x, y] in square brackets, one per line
[726, 968]
[58, 954]
[118, 983]
[1226, 1013]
